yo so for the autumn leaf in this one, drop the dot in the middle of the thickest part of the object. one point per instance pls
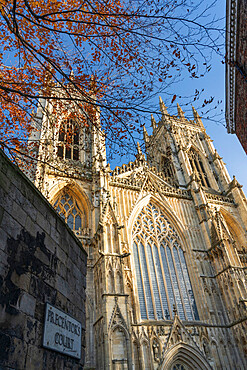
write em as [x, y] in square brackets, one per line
[173, 99]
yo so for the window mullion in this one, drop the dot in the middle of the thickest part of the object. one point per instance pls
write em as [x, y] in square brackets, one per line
[164, 280]
[142, 274]
[170, 277]
[169, 268]
[186, 288]
[188, 283]
[179, 283]
[157, 280]
[150, 280]
[156, 242]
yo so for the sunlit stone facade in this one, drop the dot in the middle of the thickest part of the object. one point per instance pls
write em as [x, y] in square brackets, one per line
[166, 243]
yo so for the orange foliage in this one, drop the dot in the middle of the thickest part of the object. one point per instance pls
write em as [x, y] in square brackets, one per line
[130, 50]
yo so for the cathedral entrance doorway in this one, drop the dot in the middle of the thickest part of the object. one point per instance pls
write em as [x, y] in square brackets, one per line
[184, 357]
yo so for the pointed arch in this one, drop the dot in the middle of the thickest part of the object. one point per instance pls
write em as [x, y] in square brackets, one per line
[68, 139]
[167, 210]
[119, 341]
[71, 202]
[234, 227]
[185, 355]
[161, 272]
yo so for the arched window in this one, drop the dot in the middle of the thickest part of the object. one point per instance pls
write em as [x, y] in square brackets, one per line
[119, 348]
[167, 167]
[198, 167]
[161, 272]
[67, 206]
[68, 140]
[178, 366]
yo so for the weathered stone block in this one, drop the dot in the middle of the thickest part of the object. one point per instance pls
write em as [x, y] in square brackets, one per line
[6, 201]
[42, 256]
[31, 226]
[11, 352]
[34, 360]
[11, 226]
[4, 182]
[61, 255]
[51, 218]
[43, 223]
[62, 270]
[19, 214]
[3, 239]
[29, 209]
[27, 304]
[55, 235]
[62, 286]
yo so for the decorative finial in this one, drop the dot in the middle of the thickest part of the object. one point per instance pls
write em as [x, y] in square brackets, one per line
[197, 118]
[153, 122]
[195, 113]
[235, 183]
[145, 133]
[180, 111]
[163, 108]
[140, 156]
[139, 148]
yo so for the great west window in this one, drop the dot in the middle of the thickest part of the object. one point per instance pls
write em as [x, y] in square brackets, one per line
[162, 276]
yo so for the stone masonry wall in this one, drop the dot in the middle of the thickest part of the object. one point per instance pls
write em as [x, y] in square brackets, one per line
[241, 75]
[40, 261]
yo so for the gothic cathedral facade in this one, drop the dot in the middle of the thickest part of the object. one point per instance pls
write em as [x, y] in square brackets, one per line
[166, 242]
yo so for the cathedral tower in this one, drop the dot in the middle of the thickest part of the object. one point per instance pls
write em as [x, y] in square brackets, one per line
[166, 239]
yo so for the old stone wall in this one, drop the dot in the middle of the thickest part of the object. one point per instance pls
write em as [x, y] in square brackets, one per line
[241, 75]
[40, 261]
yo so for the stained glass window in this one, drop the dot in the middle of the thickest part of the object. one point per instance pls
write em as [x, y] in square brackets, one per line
[67, 206]
[68, 140]
[178, 367]
[161, 272]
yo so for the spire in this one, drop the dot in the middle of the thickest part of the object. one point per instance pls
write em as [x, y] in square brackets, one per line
[140, 156]
[145, 134]
[139, 148]
[153, 122]
[197, 118]
[180, 111]
[163, 108]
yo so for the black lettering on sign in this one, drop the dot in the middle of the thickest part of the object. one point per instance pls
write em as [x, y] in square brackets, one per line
[64, 341]
[50, 316]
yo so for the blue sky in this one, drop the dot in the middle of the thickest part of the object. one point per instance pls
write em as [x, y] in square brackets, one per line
[213, 83]
[227, 145]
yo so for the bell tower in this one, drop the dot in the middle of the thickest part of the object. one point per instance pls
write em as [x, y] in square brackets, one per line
[70, 172]
[182, 150]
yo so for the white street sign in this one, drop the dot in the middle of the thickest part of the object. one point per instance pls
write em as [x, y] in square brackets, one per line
[62, 332]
